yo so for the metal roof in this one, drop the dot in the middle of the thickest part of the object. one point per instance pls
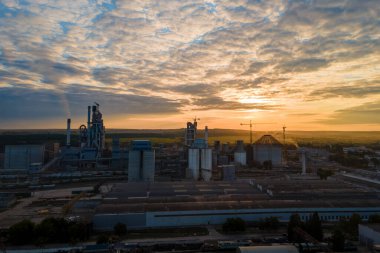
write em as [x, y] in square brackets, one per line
[268, 139]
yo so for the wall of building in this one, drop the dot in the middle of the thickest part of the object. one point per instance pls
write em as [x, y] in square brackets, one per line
[148, 165]
[141, 165]
[240, 157]
[20, 157]
[206, 164]
[134, 166]
[194, 163]
[106, 222]
[6, 200]
[205, 217]
[265, 152]
[369, 236]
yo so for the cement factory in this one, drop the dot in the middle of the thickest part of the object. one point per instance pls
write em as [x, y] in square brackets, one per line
[144, 184]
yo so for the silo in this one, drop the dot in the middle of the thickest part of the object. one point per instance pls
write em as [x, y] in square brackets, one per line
[194, 163]
[148, 165]
[240, 155]
[267, 148]
[206, 164]
[225, 148]
[217, 147]
[134, 166]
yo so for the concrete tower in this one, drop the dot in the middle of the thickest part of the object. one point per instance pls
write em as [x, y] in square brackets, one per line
[141, 164]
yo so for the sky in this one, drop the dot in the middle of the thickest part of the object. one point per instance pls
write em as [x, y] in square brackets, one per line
[309, 65]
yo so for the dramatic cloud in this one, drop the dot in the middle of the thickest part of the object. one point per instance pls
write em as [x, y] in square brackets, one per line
[367, 113]
[294, 61]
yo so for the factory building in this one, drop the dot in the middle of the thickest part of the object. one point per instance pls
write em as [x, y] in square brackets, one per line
[119, 155]
[190, 132]
[7, 199]
[228, 172]
[141, 163]
[200, 159]
[240, 155]
[369, 235]
[267, 148]
[93, 136]
[28, 158]
[92, 141]
[175, 204]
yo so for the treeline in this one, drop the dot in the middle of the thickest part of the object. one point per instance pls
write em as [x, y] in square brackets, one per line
[50, 230]
[345, 229]
[349, 160]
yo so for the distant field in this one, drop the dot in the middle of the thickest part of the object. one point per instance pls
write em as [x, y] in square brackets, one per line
[177, 135]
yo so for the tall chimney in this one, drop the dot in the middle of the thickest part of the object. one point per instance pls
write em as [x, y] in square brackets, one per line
[303, 160]
[68, 132]
[88, 125]
[206, 135]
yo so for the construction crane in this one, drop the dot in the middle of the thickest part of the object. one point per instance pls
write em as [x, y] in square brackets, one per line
[67, 208]
[250, 128]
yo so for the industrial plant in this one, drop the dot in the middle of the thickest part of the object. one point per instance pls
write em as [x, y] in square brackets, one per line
[197, 180]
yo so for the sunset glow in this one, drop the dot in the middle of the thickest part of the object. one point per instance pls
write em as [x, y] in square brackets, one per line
[309, 65]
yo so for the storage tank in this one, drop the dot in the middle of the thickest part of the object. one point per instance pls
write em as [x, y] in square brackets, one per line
[240, 156]
[194, 163]
[148, 165]
[267, 148]
[206, 164]
[134, 166]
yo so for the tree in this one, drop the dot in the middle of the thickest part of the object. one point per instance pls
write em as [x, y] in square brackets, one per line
[294, 221]
[374, 218]
[338, 240]
[21, 233]
[314, 227]
[269, 223]
[102, 239]
[120, 229]
[77, 232]
[51, 230]
[234, 225]
[324, 174]
[353, 224]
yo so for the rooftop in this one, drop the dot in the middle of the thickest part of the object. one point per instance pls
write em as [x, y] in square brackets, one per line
[268, 139]
[219, 195]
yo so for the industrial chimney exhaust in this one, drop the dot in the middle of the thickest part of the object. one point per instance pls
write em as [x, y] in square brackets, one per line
[68, 132]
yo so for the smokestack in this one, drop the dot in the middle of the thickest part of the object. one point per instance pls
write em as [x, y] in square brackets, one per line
[88, 124]
[303, 160]
[206, 135]
[68, 132]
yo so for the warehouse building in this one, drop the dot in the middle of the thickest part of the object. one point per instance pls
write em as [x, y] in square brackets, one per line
[369, 235]
[28, 158]
[164, 204]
